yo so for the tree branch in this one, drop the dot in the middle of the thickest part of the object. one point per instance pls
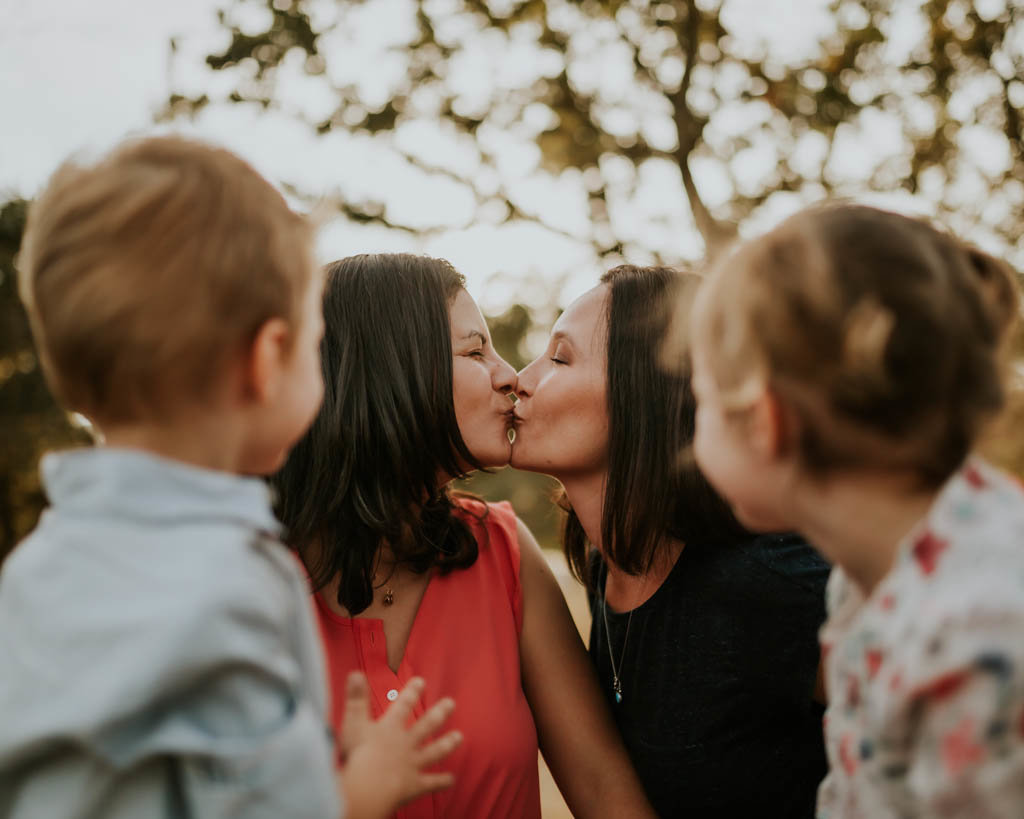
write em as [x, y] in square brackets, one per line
[717, 235]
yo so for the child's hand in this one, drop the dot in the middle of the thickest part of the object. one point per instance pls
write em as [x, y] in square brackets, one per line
[385, 760]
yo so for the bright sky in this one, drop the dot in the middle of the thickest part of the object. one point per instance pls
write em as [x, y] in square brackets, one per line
[78, 76]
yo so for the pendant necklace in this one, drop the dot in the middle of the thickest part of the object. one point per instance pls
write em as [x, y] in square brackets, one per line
[616, 682]
[389, 592]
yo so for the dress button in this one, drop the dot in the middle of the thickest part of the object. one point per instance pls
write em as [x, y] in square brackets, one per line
[393, 694]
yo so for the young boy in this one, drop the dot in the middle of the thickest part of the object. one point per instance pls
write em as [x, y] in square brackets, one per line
[158, 651]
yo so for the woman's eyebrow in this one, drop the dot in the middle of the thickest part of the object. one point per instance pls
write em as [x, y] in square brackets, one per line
[476, 334]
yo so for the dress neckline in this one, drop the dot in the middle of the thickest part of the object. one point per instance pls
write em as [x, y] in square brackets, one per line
[375, 625]
[650, 602]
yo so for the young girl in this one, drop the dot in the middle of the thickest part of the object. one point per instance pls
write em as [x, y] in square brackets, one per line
[845, 365]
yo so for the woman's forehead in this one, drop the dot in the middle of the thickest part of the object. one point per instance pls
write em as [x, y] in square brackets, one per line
[583, 321]
[465, 316]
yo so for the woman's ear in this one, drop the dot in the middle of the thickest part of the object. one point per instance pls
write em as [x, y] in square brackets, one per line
[267, 360]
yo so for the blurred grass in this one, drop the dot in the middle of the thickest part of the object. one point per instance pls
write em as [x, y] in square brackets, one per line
[551, 803]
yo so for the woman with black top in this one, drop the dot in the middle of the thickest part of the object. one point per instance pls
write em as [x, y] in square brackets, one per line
[704, 635]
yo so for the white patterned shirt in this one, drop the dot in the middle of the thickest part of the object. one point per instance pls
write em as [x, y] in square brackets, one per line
[925, 676]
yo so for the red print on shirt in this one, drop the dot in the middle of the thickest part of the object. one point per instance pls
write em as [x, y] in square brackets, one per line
[959, 748]
[927, 549]
[874, 661]
[974, 478]
[944, 686]
[852, 692]
[846, 754]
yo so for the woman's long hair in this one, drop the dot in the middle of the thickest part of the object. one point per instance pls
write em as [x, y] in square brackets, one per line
[366, 473]
[654, 491]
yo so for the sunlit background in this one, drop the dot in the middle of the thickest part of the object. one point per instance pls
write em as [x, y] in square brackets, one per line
[533, 143]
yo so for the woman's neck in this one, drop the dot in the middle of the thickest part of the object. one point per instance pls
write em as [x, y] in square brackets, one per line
[858, 521]
[586, 496]
[623, 592]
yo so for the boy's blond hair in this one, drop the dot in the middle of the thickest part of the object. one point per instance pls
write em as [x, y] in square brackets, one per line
[145, 272]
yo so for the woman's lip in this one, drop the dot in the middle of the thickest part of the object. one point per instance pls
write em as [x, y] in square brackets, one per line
[511, 421]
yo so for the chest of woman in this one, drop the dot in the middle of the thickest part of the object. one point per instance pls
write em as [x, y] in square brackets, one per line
[463, 640]
[716, 672]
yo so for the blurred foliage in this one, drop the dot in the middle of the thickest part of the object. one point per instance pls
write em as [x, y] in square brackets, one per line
[693, 92]
[30, 420]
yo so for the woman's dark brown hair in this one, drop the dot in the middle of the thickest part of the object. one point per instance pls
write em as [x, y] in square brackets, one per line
[654, 493]
[366, 473]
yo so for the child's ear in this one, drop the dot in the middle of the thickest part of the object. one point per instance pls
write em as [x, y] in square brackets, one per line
[267, 358]
[771, 427]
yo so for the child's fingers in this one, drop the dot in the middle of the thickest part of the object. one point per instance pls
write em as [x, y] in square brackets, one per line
[357, 686]
[435, 717]
[356, 718]
[402, 708]
[439, 749]
[430, 782]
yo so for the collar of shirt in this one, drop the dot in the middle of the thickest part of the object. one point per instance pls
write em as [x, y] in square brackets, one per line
[146, 487]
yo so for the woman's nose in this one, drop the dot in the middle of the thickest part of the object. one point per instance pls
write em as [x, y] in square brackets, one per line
[504, 378]
[524, 381]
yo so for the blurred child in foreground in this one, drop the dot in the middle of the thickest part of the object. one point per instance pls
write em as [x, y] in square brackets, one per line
[158, 650]
[845, 365]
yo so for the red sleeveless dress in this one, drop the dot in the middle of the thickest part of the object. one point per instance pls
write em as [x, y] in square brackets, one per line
[465, 643]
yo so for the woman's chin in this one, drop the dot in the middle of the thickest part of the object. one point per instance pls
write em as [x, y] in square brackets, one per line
[497, 457]
[520, 458]
[524, 456]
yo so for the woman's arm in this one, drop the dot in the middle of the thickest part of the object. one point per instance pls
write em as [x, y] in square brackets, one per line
[577, 736]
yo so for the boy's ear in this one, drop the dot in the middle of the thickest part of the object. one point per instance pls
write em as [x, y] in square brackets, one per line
[770, 426]
[268, 355]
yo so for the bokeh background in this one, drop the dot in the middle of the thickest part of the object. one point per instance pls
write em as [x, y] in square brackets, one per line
[534, 143]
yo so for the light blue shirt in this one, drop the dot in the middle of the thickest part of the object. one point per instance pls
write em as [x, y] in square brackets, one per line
[158, 655]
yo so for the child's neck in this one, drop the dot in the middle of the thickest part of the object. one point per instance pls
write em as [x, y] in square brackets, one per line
[203, 440]
[858, 521]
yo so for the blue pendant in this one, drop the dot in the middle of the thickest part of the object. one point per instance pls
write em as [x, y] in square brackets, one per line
[618, 696]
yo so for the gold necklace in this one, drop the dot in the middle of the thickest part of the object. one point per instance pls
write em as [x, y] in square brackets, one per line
[616, 681]
[389, 591]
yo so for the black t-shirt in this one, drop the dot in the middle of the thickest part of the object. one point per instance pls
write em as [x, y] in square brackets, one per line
[717, 679]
